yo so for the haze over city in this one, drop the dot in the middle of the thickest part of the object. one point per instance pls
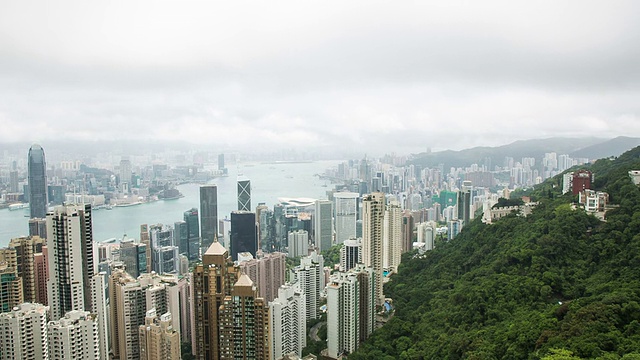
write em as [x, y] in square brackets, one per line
[304, 180]
[318, 75]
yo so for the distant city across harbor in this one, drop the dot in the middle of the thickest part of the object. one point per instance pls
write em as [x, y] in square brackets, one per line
[269, 181]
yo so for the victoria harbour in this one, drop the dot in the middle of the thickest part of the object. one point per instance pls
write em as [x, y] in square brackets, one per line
[269, 181]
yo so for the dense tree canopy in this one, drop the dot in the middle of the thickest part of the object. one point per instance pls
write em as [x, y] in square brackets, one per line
[558, 284]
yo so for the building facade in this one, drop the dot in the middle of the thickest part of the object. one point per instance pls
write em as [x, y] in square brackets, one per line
[208, 215]
[70, 259]
[346, 214]
[244, 237]
[244, 323]
[288, 322]
[38, 200]
[23, 333]
[323, 224]
[373, 208]
[75, 336]
[158, 339]
[244, 195]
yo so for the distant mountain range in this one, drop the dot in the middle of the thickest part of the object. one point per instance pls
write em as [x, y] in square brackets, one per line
[591, 148]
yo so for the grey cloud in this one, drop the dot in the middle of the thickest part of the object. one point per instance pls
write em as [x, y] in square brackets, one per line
[348, 75]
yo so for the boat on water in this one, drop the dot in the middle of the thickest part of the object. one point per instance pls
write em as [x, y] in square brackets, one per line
[18, 206]
[129, 204]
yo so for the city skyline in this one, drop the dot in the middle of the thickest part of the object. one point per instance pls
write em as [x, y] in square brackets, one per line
[291, 75]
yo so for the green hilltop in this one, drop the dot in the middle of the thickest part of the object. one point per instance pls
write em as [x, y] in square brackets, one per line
[558, 284]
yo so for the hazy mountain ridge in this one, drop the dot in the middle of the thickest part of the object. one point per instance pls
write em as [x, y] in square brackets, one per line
[591, 147]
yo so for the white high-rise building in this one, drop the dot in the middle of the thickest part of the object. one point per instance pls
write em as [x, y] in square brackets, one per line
[70, 258]
[373, 209]
[23, 333]
[309, 276]
[346, 210]
[75, 336]
[288, 322]
[350, 254]
[350, 310]
[100, 310]
[323, 224]
[298, 243]
[427, 234]
[392, 240]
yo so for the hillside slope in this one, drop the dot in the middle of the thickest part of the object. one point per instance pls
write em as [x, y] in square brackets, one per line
[558, 279]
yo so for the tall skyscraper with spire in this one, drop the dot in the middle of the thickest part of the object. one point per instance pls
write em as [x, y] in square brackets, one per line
[37, 182]
[244, 323]
[244, 195]
[212, 282]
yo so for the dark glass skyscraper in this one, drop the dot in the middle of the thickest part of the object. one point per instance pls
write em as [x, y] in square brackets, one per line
[244, 237]
[208, 214]
[37, 182]
[244, 195]
[193, 233]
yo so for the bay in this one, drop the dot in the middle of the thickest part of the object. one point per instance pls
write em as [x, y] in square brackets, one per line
[269, 181]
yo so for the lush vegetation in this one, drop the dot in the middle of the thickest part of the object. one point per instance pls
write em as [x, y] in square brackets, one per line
[332, 255]
[558, 284]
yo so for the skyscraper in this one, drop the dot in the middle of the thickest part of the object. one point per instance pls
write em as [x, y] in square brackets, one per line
[267, 272]
[372, 234]
[350, 254]
[134, 257]
[407, 231]
[309, 277]
[244, 323]
[25, 249]
[350, 310]
[193, 234]
[128, 308]
[208, 215]
[37, 182]
[288, 322]
[298, 243]
[181, 233]
[158, 339]
[10, 288]
[38, 227]
[244, 237]
[144, 239]
[346, 209]
[323, 224]
[125, 174]
[464, 203]
[70, 257]
[392, 241]
[212, 282]
[244, 195]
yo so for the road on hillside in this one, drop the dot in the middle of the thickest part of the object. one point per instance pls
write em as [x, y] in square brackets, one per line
[313, 333]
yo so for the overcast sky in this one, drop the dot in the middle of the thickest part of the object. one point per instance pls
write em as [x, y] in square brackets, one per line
[370, 75]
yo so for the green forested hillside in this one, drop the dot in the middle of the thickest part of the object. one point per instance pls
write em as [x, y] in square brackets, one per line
[558, 279]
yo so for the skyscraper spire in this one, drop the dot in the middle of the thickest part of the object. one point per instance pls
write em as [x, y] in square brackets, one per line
[37, 182]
